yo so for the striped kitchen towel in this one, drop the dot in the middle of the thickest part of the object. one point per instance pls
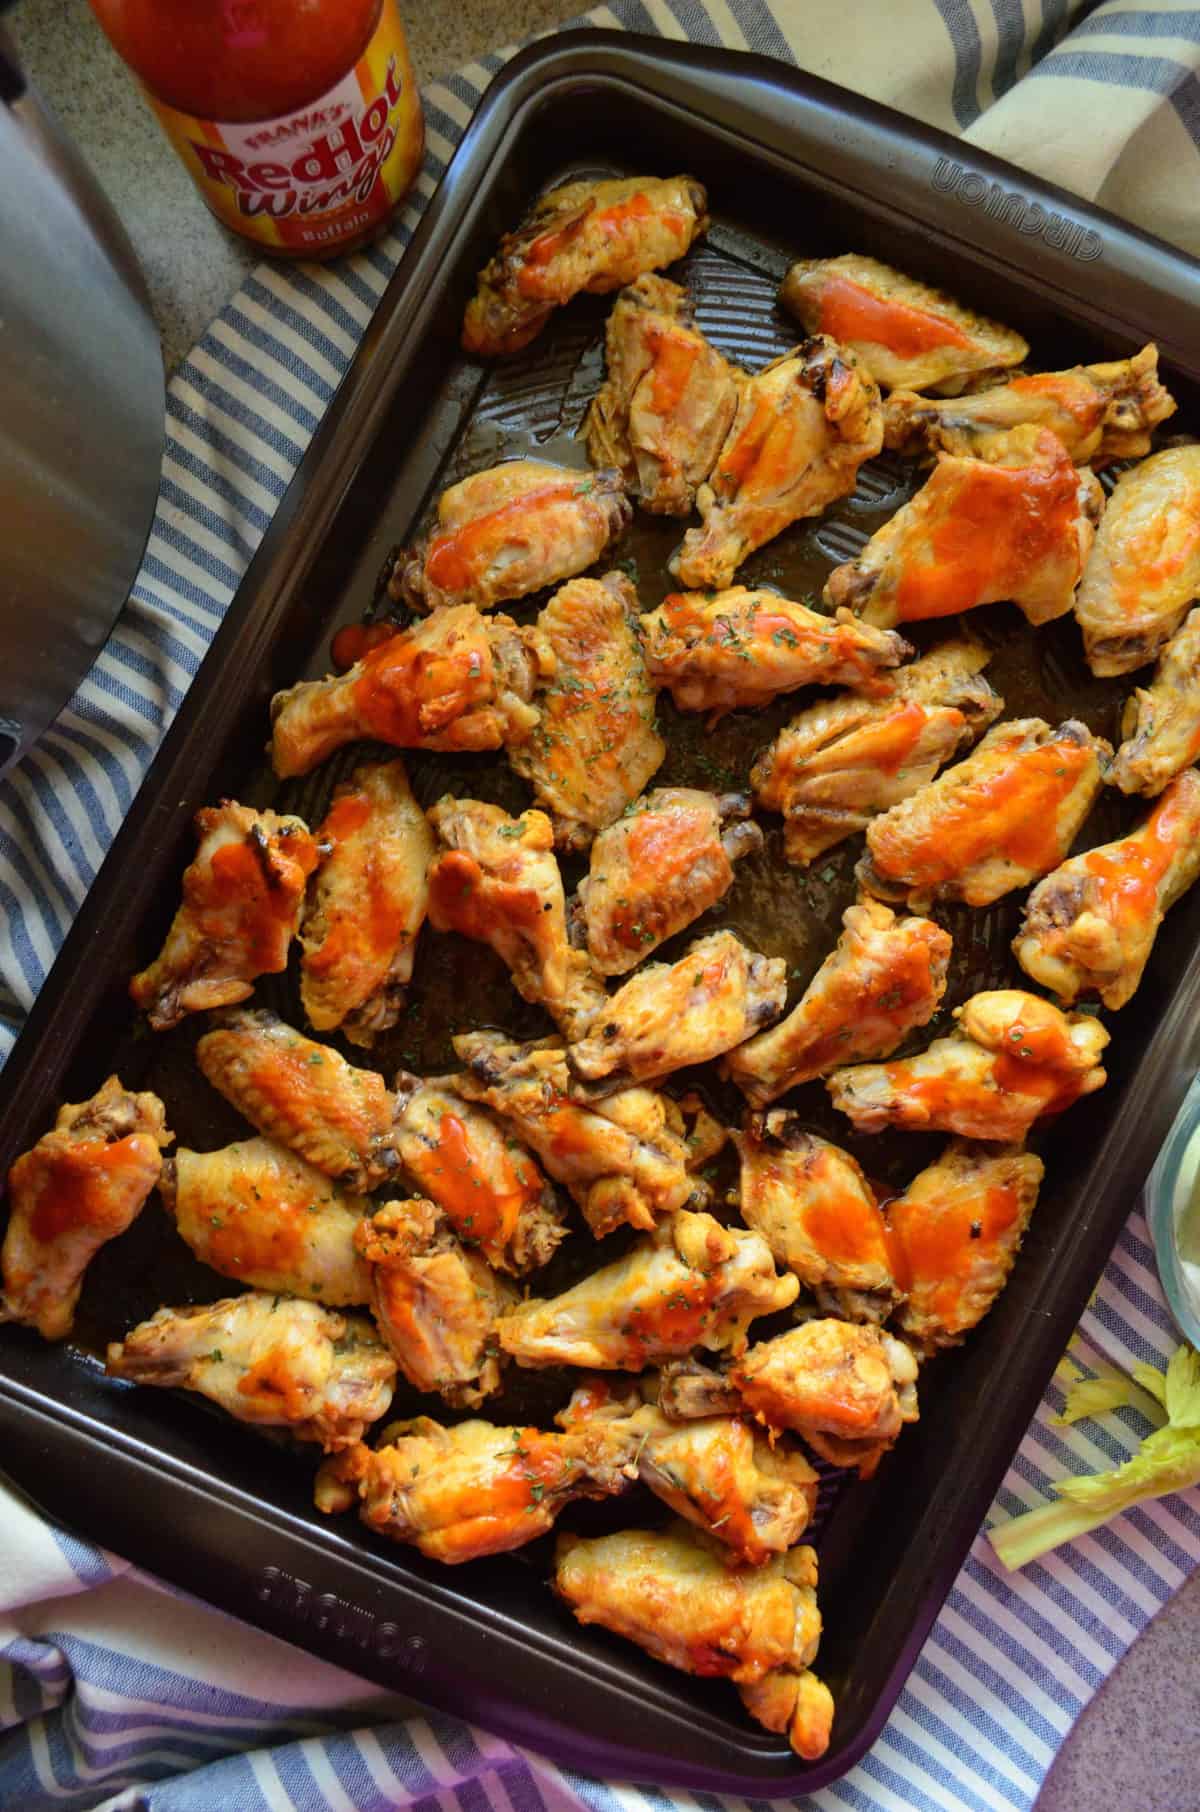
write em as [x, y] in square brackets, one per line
[105, 1701]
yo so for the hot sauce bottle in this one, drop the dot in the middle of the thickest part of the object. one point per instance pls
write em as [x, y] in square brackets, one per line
[299, 120]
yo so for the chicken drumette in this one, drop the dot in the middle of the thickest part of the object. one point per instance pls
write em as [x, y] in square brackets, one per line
[242, 896]
[802, 428]
[1161, 722]
[1143, 574]
[80, 1186]
[904, 332]
[590, 237]
[596, 745]
[511, 530]
[846, 1388]
[670, 1015]
[841, 762]
[272, 1361]
[885, 977]
[662, 415]
[663, 863]
[690, 1283]
[1011, 1059]
[954, 1235]
[738, 649]
[366, 904]
[994, 822]
[1018, 525]
[454, 681]
[1090, 926]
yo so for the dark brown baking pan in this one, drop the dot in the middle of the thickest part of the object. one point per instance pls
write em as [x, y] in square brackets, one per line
[794, 166]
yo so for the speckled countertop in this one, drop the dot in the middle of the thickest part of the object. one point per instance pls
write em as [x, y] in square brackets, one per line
[1134, 1748]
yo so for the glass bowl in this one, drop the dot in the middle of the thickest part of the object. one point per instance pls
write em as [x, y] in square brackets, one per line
[1173, 1214]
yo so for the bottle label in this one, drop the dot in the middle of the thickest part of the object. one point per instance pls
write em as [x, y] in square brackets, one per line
[324, 177]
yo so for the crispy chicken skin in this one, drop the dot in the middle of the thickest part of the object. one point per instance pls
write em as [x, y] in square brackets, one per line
[817, 1212]
[303, 1094]
[272, 1361]
[1099, 412]
[671, 1592]
[663, 413]
[242, 896]
[754, 1496]
[495, 879]
[1161, 722]
[487, 1185]
[510, 530]
[992, 823]
[435, 1303]
[802, 428]
[885, 977]
[1143, 574]
[454, 681]
[1090, 926]
[366, 904]
[624, 1158]
[464, 1492]
[596, 744]
[738, 649]
[848, 758]
[954, 1235]
[80, 1186]
[590, 237]
[845, 1388]
[259, 1214]
[690, 1283]
[1011, 1059]
[905, 333]
[670, 1015]
[1019, 525]
[663, 863]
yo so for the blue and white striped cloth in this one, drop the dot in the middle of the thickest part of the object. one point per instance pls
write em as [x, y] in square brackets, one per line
[116, 1696]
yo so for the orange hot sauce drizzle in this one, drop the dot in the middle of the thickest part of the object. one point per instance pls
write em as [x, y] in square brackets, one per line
[662, 851]
[614, 231]
[366, 932]
[402, 682]
[675, 358]
[1076, 397]
[483, 1205]
[889, 741]
[458, 558]
[933, 1249]
[1130, 873]
[77, 1187]
[263, 913]
[847, 1229]
[672, 1325]
[849, 312]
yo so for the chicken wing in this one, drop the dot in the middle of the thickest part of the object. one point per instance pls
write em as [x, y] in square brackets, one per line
[242, 896]
[690, 1283]
[366, 904]
[994, 822]
[670, 1015]
[1143, 574]
[453, 681]
[596, 745]
[885, 977]
[663, 863]
[754, 1496]
[739, 649]
[272, 1361]
[511, 530]
[845, 759]
[1161, 722]
[818, 1214]
[1090, 926]
[905, 333]
[1099, 412]
[303, 1094]
[435, 1303]
[954, 1236]
[495, 879]
[670, 1591]
[624, 1158]
[487, 1185]
[80, 1186]
[259, 1214]
[662, 415]
[846, 1388]
[586, 237]
[1011, 1059]
[463, 1492]
[802, 428]
[1019, 526]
